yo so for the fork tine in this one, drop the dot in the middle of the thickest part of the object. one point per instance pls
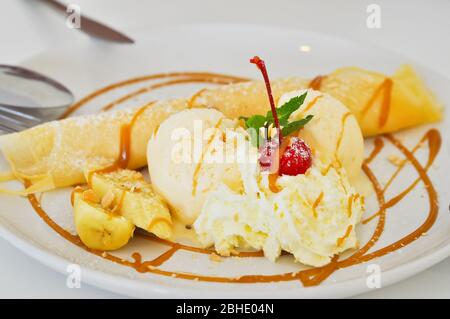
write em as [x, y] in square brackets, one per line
[12, 124]
[21, 115]
[15, 120]
[5, 128]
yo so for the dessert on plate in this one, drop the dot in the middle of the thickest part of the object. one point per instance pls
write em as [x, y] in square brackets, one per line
[272, 166]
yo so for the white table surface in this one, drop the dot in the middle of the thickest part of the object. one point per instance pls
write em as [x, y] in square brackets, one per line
[417, 29]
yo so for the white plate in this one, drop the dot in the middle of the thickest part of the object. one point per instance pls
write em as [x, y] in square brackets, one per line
[226, 49]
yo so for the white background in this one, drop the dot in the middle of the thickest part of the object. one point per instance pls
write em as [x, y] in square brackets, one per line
[417, 29]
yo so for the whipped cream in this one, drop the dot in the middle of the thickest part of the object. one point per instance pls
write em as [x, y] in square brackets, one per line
[313, 217]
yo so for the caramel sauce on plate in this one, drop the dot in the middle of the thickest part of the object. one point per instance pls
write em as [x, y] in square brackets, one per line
[184, 76]
[308, 277]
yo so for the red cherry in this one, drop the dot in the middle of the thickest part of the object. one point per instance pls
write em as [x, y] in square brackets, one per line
[267, 154]
[262, 67]
[296, 158]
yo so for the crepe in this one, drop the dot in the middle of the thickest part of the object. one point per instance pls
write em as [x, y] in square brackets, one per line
[410, 103]
[56, 154]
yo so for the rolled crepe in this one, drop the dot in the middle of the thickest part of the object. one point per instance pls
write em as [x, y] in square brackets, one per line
[56, 154]
[409, 101]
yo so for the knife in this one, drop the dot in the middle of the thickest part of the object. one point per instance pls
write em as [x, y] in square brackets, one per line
[93, 27]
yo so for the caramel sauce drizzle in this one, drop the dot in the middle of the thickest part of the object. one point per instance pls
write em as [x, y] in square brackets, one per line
[336, 161]
[432, 197]
[273, 178]
[312, 103]
[351, 198]
[434, 144]
[308, 277]
[341, 134]
[386, 88]
[158, 261]
[378, 146]
[161, 85]
[433, 138]
[316, 204]
[194, 98]
[212, 77]
[340, 241]
[200, 162]
[316, 83]
[124, 147]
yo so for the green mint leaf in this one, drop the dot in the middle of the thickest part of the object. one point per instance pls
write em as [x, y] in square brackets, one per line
[284, 121]
[256, 121]
[253, 125]
[296, 125]
[285, 111]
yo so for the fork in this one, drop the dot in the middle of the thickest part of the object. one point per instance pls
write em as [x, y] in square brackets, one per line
[13, 120]
[28, 98]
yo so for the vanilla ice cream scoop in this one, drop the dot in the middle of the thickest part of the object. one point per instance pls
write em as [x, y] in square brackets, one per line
[334, 135]
[187, 160]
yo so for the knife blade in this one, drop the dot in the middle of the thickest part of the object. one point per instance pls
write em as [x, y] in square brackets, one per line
[93, 27]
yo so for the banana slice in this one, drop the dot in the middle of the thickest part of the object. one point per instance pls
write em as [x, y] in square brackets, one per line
[97, 227]
[126, 193]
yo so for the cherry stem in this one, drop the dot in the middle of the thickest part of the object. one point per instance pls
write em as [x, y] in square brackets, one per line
[262, 67]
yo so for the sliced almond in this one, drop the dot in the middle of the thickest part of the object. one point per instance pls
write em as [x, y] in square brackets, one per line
[108, 199]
